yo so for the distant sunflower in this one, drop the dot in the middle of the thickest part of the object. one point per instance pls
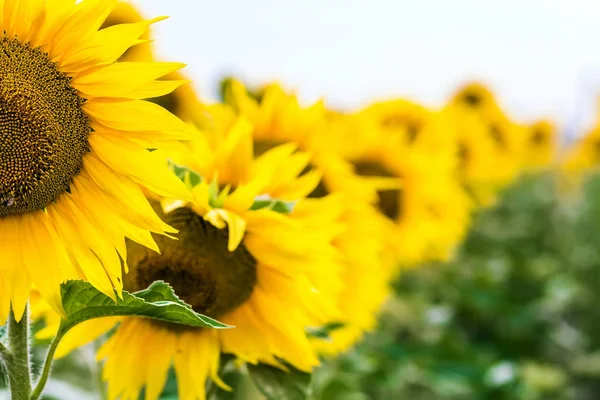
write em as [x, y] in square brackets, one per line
[582, 157]
[400, 117]
[540, 145]
[429, 213]
[476, 154]
[270, 273]
[278, 117]
[476, 97]
[485, 134]
[73, 147]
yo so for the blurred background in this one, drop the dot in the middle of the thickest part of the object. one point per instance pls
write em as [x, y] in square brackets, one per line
[538, 56]
[515, 315]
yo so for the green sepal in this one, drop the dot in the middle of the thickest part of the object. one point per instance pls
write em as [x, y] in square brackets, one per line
[324, 332]
[280, 206]
[189, 177]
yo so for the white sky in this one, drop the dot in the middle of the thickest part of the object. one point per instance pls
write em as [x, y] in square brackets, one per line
[542, 57]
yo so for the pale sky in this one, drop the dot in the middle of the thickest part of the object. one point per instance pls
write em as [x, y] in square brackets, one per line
[542, 57]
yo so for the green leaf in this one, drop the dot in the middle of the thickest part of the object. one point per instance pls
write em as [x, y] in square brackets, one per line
[323, 332]
[83, 302]
[187, 176]
[280, 206]
[276, 384]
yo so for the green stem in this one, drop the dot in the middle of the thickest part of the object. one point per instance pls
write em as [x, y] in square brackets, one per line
[18, 364]
[39, 387]
[4, 352]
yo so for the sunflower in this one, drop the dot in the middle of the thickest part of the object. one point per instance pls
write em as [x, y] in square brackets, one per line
[540, 145]
[476, 97]
[428, 214]
[269, 272]
[582, 157]
[491, 146]
[73, 147]
[279, 118]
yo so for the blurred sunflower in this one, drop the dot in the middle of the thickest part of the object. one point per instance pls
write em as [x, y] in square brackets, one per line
[73, 147]
[581, 157]
[271, 273]
[280, 119]
[365, 274]
[540, 145]
[476, 152]
[486, 134]
[428, 214]
[476, 97]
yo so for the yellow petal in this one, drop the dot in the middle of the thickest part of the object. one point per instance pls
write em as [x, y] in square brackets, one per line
[138, 163]
[121, 78]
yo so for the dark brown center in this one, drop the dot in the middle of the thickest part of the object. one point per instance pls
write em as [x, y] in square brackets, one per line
[43, 130]
[538, 138]
[472, 99]
[199, 267]
[390, 201]
[497, 135]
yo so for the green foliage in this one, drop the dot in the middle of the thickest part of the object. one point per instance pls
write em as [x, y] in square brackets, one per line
[513, 317]
[277, 384]
[324, 332]
[187, 176]
[83, 302]
[280, 206]
[217, 197]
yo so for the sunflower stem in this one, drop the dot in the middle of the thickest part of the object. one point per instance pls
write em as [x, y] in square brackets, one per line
[4, 352]
[39, 387]
[17, 361]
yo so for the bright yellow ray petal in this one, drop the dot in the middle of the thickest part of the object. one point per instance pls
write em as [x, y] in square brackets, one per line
[86, 19]
[121, 78]
[143, 167]
[106, 47]
[135, 115]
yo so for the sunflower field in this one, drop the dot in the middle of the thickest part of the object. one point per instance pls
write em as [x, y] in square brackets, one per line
[156, 245]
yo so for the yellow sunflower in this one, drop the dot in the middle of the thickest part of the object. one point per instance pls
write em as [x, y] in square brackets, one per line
[427, 216]
[541, 144]
[491, 146]
[280, 118]
[478, 98]
[73, 147]
[580, 158]
[271, 274]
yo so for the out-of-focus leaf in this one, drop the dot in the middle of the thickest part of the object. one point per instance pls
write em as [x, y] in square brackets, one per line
[277, 384]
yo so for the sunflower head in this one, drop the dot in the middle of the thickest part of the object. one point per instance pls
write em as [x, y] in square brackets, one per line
[425, 210]
[44, 130]
[540, 144]
[199, 265]
[246, 256]
[73, 147]
[399, 117]
[277, 115]
[580, 158]
[475, 97]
